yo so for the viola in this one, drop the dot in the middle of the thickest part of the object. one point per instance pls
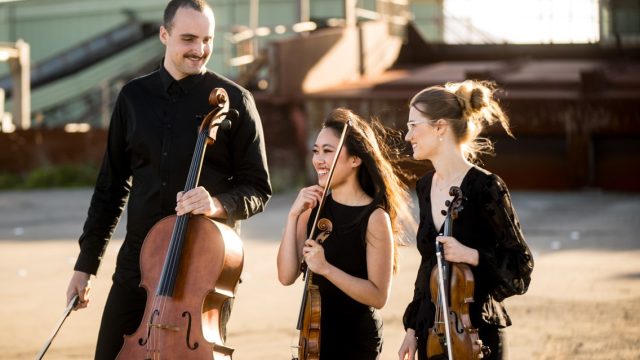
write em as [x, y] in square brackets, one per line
[452, 285]
[310, 308]
[190, 266]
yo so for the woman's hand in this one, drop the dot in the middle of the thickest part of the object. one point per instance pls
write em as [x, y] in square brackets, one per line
[313, 254]
[308, 198]
[409, 345]
[454, 251]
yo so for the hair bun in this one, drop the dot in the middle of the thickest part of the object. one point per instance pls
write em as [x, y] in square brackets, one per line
[479, 98]
[472, 96]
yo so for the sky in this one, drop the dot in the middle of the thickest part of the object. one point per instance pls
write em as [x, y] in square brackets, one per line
[522, 21]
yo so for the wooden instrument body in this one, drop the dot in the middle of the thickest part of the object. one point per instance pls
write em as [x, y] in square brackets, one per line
[311, 307]
[464, 337]
[188, 324]
[452, 287]
[309, 340]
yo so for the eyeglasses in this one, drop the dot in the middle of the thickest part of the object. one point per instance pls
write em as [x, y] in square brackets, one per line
[412, 123]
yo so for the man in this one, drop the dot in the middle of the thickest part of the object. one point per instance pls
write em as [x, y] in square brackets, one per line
[151, 140]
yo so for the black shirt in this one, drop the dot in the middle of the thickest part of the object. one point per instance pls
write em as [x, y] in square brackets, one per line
[152, 136]
[487, 223]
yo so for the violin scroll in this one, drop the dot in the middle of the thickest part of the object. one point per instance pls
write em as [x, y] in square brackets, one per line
[455, 205]
[325, 226]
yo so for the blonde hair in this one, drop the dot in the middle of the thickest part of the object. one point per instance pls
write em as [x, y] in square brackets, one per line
[468, 107]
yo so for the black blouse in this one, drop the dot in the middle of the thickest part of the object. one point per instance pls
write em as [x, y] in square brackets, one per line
[487, 223]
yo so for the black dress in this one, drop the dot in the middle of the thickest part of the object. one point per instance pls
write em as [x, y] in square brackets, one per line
[348, 329]
[489, 224]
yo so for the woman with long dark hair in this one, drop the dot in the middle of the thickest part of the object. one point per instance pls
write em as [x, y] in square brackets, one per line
[367, 205]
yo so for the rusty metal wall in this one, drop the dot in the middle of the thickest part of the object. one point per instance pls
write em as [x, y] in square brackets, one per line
[559, 145]
[25, 150]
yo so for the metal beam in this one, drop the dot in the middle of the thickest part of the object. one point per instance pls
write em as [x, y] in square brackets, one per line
[18, 57]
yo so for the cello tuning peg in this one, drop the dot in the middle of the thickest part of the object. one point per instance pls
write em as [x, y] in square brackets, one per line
[447, 203]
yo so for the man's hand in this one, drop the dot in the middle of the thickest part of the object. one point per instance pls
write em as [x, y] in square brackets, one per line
[79, 284]
[198, 201]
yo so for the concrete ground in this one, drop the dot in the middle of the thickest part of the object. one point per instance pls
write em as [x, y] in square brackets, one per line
[583, 303]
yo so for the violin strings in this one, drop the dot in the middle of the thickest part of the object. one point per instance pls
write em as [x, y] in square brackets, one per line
[172, 255]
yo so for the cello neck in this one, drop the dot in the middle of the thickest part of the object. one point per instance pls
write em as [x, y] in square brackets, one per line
[196, 161]
[174, 253]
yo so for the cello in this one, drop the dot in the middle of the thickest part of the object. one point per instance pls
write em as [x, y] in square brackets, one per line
[452, 285]
[310, 308]
[190, 266]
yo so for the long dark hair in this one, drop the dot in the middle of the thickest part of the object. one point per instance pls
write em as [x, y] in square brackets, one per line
[370, 141]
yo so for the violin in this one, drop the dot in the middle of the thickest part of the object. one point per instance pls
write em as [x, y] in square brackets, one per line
[452, 286]
[190, 266]
[310, 308]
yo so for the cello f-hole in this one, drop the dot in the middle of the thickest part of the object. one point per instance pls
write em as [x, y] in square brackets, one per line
[187, 339]
[142, 341]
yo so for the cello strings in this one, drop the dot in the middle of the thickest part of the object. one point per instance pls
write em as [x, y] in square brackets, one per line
[173, 255]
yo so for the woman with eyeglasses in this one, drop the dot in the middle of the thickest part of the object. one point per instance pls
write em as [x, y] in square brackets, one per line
[443, 127]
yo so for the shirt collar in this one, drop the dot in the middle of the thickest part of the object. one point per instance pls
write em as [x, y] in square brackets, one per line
[185, 84]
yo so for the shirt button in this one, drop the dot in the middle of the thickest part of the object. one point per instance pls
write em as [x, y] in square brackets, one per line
[164, 153]
[168, 126]
[164, 183]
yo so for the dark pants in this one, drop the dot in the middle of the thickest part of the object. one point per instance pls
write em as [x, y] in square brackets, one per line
[122, 315]
[491, 336]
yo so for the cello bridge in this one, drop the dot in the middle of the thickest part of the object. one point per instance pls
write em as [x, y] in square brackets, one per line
[165, 327]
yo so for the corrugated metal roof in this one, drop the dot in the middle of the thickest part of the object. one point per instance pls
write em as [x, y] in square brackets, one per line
[127, 62]
[529, 78]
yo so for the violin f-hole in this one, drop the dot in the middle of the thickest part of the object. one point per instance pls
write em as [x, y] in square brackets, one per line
[456, 320]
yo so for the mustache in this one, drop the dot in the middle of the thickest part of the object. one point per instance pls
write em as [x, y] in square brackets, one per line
[197, 56]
